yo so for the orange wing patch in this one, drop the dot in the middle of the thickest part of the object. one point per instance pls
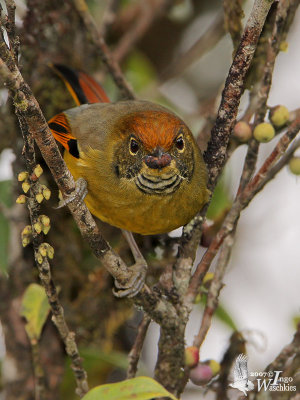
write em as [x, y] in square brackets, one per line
[61, 131]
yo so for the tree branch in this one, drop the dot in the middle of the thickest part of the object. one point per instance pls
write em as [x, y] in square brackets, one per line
[135, 352]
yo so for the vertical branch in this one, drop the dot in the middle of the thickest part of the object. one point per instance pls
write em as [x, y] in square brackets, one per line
[135, 352]
[214, 290]
[215, 155]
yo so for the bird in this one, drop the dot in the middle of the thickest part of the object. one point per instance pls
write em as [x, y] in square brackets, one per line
[142, 168]
[240, 375]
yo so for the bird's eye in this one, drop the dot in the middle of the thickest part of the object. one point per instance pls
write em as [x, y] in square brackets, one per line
[133, 146]
[179, 143]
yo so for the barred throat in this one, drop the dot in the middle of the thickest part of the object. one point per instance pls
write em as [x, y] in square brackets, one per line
[157, 184]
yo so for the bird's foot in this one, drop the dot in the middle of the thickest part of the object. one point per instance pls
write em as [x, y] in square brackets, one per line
[135, 283]
[77, 195]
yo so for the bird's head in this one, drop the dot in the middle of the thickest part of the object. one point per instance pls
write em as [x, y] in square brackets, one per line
[156, 151]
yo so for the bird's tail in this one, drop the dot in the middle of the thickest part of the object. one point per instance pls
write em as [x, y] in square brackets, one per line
[82, 87]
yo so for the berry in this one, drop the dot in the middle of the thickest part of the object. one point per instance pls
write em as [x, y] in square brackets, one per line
[264, 132]
[191, 356]
[215, 366]
[279, 116]
[201, 374]
[242, 131]
[294, 165]
[204, 372]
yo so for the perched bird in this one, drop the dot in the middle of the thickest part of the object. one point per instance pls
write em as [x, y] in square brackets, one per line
[143, 168]
[240, 375]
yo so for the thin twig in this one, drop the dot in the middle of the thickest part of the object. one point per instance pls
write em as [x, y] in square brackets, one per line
[135, 352]
[149, 13]
[205, 43]
[109, 16]
[104, 52]
[233, 14]
[214, 290]
[284, 159]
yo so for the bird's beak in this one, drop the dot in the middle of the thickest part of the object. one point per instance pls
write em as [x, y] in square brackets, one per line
[158, 159]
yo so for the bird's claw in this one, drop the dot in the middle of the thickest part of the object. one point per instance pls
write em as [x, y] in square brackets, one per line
[135, 283]
[77, 195]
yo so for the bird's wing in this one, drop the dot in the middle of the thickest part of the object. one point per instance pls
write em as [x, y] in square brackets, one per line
[61, 131]
[240, 371]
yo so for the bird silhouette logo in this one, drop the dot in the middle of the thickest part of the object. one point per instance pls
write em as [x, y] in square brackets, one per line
[240, 375]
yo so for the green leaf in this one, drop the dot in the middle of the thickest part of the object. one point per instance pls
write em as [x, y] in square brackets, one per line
[220, 200]
[141, 388]
[221, 314]
[35, 308]
[97, 356]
